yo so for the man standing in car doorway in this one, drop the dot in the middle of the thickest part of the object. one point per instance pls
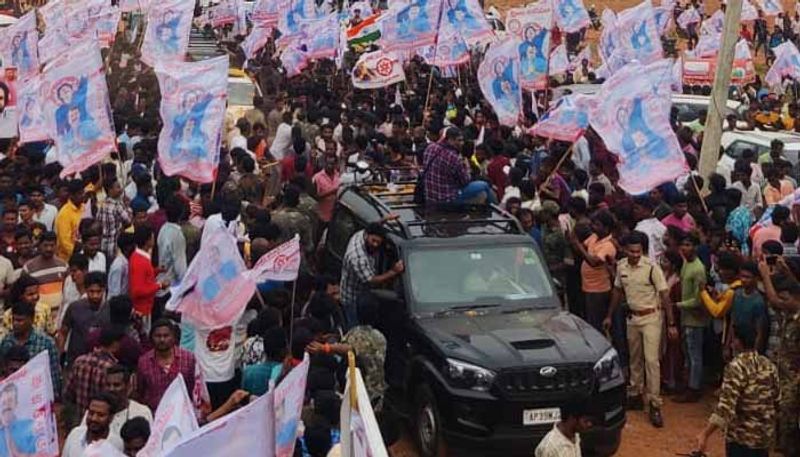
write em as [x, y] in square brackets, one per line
[642, 283]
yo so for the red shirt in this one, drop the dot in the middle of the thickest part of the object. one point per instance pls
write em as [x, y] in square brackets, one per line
[497, 177]
[142, 284]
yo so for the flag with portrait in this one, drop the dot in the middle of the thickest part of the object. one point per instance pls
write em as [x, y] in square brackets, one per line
[377, 69]
[32, 122]
[20, 46]
[166, 38]
[499, 80]
[570, 15]
[567, 120]
[638, 34]
[322, 41]
[467, 18]
[531, 27]
[412, 26]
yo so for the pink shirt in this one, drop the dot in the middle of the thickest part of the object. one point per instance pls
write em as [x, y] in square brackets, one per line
[686, 223]
[326, 183]
[771, 232]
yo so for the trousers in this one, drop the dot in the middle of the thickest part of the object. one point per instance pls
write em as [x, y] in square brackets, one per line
[644, 343]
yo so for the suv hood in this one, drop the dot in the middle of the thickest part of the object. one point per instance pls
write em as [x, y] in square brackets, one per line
[506, 340]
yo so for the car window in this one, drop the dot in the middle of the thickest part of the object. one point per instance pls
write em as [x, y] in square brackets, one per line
[471, 275]
[240, 93]
[341, 228]
[687, 112]
[736, 148]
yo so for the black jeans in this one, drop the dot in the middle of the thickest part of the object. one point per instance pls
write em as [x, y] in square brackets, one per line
[737, 450]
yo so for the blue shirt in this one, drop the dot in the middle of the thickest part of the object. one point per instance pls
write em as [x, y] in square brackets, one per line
[256, 378]
[23, 435]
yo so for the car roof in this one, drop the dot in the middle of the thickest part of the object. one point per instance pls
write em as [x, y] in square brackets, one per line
[789, 139]
[701, 99]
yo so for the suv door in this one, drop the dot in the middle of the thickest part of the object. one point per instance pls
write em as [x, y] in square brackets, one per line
[340, 229]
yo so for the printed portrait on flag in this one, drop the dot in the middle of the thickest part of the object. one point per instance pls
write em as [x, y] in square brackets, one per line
[173, 419]
[567, 120]
[20, 46]
[632, 117]
[639, 37]
[498, 76]
[167, 35]
[256, 40]
[294, 61]
[749, 12]
[77, 108]
[323, 37]
[8, 102]
[26, 399]
[466, 16]
[193, 96]
[265, 12]
[412, 26]
[771, 7]
[32, 123]
[531, 27]
[570, 15]
[450, 48]
[663, 17]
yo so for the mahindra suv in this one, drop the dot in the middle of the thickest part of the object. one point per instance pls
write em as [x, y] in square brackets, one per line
[480, 353]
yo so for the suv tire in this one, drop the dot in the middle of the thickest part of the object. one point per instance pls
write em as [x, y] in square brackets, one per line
[427, 424]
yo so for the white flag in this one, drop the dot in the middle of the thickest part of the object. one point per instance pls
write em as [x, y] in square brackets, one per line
[360, 431]
[289, 395]
[174, 420]
[279, 264]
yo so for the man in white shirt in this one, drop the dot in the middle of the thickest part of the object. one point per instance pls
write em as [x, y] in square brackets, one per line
[98, 420]
[43, 213]
[564, 439]
[751, 192]
[118, 384]
[648, 224]
[282, 144]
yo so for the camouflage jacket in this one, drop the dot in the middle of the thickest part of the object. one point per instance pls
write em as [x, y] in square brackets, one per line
[292, 221]
[369, 346]
[748, 401]
[788, 360]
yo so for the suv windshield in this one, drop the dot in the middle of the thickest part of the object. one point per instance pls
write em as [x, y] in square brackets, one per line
[474, 275]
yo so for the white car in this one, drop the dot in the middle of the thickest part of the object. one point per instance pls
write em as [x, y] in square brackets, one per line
[734, 143]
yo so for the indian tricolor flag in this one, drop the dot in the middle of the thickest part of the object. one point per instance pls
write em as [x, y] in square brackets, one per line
[365, 33]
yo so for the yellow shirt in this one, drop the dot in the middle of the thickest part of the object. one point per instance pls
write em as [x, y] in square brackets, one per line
[722, 304]
[42, 320]
[66, 227]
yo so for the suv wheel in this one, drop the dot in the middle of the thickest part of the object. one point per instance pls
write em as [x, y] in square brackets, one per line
[428, 425]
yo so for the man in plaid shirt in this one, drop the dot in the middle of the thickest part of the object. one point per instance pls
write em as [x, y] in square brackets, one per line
[447, 176]
[89, 370]
[158, 367]
[113, 216]
[34, 341]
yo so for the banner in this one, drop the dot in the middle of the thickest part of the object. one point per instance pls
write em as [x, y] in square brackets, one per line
[410, 27]
[166, 37]
[377, 69]
[246, 431]
[632, 118]
[322, 40]
[558, 60]
[570, 15]
[289, 396]
[8, 108]
[771, 7]
[450, 49]
[280, 264]
[707, 45]
[531, 27]
[787, 63]
[609, 36]
[256, 40]
[567, 120]
[359, 428]
[193, 96]
[77, 108]
[222, 14]
[31, 117]
[265, 13]
[639, 38]
[106, 26]
[214, 290]
[467, 18]
[27, 399]
[689, 16]
[663, 16]
[20, 43]
[701, 71]
[174, 419]
[499, 79]
[749, 12]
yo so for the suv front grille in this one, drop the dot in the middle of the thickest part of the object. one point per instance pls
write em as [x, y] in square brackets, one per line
[532, 380]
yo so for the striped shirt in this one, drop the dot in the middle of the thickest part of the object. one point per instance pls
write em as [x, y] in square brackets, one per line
[50, 273]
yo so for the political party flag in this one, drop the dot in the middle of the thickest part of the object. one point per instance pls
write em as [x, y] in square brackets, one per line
[106, 25]
[201, 399]
[714, 24]
[663, 16]
[215, 289]
[567, 120]
[688, 16]
[531, 28]
[322, 40]
[466, 17]
[742, 50]
[20, 45]
[28, 398]
[294, 60]
[365, 32]
[558, 60]
[499, 79]
[265, 13]
[31, 118]
[450, 49]
[787, 63]
[584, 54]
[609, 36]
[360, 433]
[102, 448]
[193, 96]
[749, 12]
[279, 264]
[129, 6]
[570, 15]
[246, 431]
[708, 45]
[632, 118]
[771, 7]
[256, 40]
[166, 38]
[174, 419]
[289, 395]
[293, 19]
[222, 14]
[377, 69]
[639, 38]
[9, 119]
[677, 76]
[76, 109]
[412, 26]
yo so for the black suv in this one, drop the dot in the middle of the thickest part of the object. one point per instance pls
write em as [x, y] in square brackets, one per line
[480, 353]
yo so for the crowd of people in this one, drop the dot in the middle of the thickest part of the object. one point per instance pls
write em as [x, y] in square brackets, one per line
[695, 289]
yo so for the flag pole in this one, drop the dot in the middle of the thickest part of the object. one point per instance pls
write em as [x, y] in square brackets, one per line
[351, 375]
[291, 313]
[435, 51]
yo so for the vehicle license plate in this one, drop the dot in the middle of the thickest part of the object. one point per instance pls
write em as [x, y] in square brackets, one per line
[541, 416]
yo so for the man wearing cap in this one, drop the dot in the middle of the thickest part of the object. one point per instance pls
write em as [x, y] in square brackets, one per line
[642, 283]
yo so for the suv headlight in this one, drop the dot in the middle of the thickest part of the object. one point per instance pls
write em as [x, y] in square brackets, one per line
[467, 376]
[608, 371]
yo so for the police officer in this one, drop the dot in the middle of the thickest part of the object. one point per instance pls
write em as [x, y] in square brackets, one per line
[641, 282]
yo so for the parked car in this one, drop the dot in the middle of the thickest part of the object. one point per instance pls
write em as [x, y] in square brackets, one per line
[480, 352]
[734, 143]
